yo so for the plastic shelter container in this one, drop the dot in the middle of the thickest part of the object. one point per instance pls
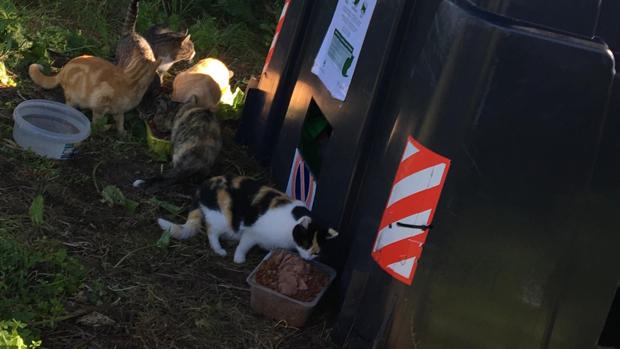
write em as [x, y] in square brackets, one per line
[513, 260]
[522, 96]
[266, 105]
[48, 128]
[280, 307]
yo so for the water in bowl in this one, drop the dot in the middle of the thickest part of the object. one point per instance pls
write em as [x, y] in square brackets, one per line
[52, 124]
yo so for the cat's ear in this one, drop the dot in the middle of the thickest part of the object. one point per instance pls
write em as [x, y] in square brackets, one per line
[187, 38]
[193, 99]
[186, 32]
[331, 233]
[304, 221]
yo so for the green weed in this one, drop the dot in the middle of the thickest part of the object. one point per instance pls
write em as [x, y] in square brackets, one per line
[232, 111]
[38, 167]
[12, 333]
[173, 209]
[28, 34]
[113, 196]
[34, 167]
[6, 80]
[99, 126]
[164, 240]
[35, 283]
[32, 31]
[36, 211]
[5, 130]
[236, 31]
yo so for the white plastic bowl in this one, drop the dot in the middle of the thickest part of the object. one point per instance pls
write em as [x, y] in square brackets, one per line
[48, 128]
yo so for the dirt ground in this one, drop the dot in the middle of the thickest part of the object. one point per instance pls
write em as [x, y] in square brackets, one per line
[182, 296]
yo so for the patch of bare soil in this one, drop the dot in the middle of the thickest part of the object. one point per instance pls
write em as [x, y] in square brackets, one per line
[136, 295]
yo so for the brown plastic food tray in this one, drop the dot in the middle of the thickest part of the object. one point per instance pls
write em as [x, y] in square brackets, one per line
[277, 306]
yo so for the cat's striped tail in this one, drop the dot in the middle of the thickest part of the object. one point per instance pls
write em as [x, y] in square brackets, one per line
[185, 231]
[129, 26]
[47, 82]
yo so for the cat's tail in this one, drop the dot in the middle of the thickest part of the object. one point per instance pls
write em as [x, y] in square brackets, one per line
[129, 26]
[173, 176]
[185, 231]
[47, 82]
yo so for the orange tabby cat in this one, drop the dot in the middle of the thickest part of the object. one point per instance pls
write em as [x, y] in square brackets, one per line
[94, 83]
[206, 80]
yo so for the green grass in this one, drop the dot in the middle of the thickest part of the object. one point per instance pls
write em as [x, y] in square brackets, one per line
[86, 205]
[36, 282]
[36, 210]
[29, 31]
[236, 31]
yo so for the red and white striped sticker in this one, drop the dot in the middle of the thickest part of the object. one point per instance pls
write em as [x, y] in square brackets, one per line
[409, 211]
[277, 34]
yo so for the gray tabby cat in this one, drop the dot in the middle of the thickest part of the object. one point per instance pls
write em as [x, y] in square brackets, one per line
[128, 35]
[196, 142]
[169, 46]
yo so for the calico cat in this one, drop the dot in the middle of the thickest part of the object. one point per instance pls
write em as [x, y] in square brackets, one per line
[167, 45]
[94, 83]
[196, 142]
[206, 79]
[240, 208]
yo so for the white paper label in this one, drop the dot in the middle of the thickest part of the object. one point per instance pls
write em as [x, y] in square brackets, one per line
[340, 50]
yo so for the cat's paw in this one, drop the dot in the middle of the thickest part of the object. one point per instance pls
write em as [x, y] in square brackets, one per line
[221, 252]
[239, 259]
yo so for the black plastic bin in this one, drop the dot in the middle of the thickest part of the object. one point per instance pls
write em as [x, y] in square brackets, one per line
[522, 97]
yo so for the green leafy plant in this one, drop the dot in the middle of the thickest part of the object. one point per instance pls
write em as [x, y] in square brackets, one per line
[6, 79]
[12, 333]
[36, 211]
[11, 336]
[225, 29]
[166, 205]
[113, 196]
[35, 167]
[164, 240]
[229, 42]
[99, 126]
[231, 111]
[35, 283]
[29, 32]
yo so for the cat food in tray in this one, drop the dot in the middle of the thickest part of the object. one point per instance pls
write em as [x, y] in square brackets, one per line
[286, 287]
